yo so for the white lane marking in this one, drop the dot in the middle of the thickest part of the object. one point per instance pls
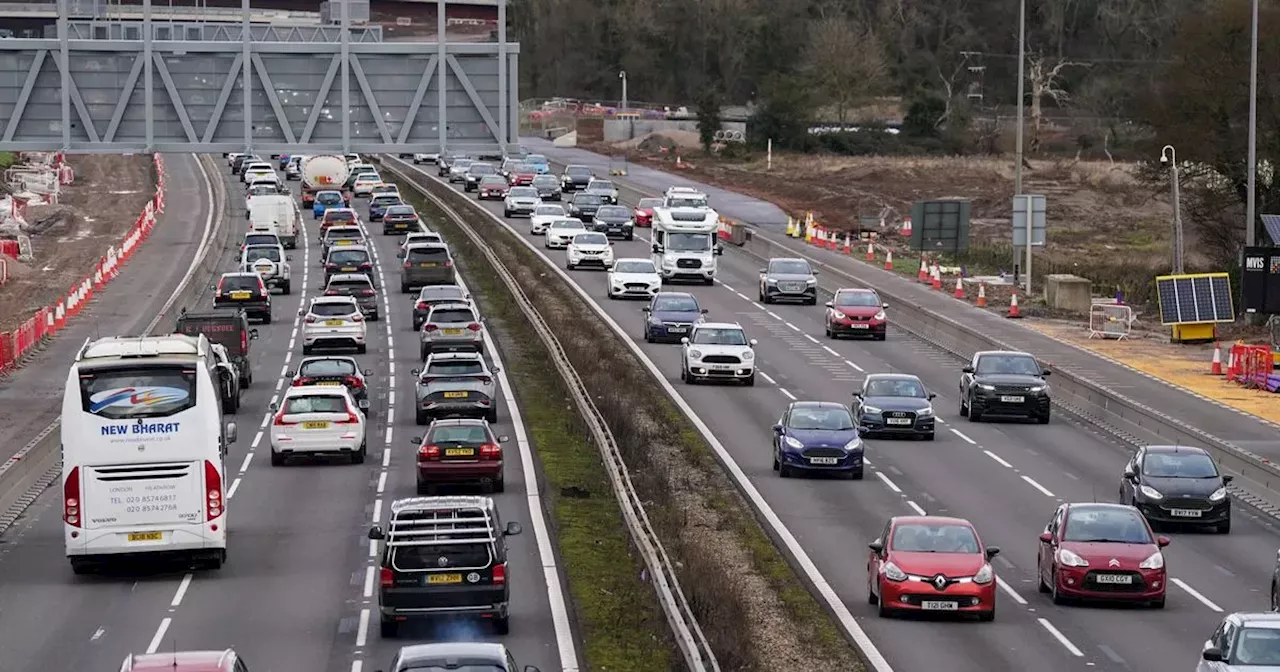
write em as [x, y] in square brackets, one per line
[773, 315]
[388, 439]
[855, 366]
[721, 283]
[373, 548]
[357, 666]
[1032, 482]
[386, 457]
[382, 482]
[1196, 594]
[917, 508]
[811, 339]
[159, 636]
[784, 391]
[1008, 589]
[235, 485]
[892, 486]
[257, 438]
[793, 327]
[97, 634]
[767, 377]
[377, 511]
[182, 590]
[362, 633]
[962, 436]
[293, 335]
[284, 371]
[280, 383]
[391, 366]
[244, 466]
[998, 459]
[391, 399]
[368, 581]
[391, 383]
[829, 350]
[1062, 639]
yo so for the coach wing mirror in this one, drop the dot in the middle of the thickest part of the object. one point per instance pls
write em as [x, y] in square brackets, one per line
[231, 432]
[513, 528]
[1212, 654]
[876, 547]
[376, 533]
[931, 396]
[992, 551]
[657, 248]
[719, 250]
[253, 334]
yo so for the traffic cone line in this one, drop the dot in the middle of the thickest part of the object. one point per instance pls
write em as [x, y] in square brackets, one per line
[1216, 369]
[888, 260]
[960, 288]
[982, 295]
[1013, 307]
[871, 251]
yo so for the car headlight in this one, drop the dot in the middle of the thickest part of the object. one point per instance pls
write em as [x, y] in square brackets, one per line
[1156, 561]
[1150, 492]
[988, 388]
[695, 354]
[1068, 558]
[811, 281]
[1036, 388]
[874, 410]
[748, 356]
[770, 281]
[879, 316]
[793, 443]
[924, 412]
[668, 262]
[985, 575]
[855, 444]
[1218, 495]
[892, 572]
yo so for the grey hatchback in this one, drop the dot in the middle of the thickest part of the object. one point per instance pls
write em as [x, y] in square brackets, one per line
[451, 327]
[434, 295]
[456, 655]
[788, 279]
[357, 286]
[427, 264]
[455, 384]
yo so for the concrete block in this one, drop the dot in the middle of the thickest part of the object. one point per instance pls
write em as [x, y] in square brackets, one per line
[1063, 291]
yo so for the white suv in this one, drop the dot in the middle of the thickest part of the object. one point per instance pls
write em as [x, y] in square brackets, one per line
[589, 249]
[718, 351]
[333, 322]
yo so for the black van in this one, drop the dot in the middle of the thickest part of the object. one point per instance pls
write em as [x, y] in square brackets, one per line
[228, 327]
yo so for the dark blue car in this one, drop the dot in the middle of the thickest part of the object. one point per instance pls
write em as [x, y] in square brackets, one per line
[894, 404]
[284, 161]
[669, 316]
[815, 436]
[378, 205]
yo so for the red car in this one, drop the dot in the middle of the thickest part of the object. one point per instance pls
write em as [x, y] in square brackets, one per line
[522, 175]
[185, 661]
[643, 215]
[933, 564]
[1104, 552]
[856, 312]
[460, 450]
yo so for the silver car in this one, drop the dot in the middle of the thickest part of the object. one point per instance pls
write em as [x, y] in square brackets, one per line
[455, 384]
[340, 236]
[520, 201]
[451, 327]
[1243, 642]
[788, 279]
[333, 322]
[605, 189]
[458, 171]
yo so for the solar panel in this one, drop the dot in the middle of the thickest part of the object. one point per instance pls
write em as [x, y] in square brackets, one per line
[1195, 299]
[1272, 222]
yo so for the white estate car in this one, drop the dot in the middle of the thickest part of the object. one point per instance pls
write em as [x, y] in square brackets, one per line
[589, 249]
[542, 217]
[258, 171]
[717, 351]
[520, 202]
[633, 277]
[333, 322]
[561, 231]
[363, 186]
[317, 420]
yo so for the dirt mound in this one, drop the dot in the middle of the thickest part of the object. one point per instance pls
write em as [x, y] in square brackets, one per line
[659, 141]
[52, 220]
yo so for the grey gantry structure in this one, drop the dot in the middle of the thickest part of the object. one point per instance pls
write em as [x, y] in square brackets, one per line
[255, 87]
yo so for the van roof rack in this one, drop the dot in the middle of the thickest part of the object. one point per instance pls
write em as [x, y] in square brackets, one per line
[441, 521]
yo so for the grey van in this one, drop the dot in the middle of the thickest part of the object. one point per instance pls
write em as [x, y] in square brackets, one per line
[426, 264]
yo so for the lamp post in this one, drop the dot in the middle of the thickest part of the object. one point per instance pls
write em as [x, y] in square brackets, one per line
[623, 76]
[1017, 168]
[1251, 199]
[1169, 156]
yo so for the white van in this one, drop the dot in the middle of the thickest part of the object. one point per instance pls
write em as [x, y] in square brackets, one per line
[277, 214]
[143, 443]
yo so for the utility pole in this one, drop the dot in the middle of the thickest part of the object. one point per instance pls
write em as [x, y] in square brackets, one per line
[1017, 169]
[623, 76]
[1251, 201]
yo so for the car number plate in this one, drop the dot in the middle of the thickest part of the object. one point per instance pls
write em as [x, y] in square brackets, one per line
[459, 452]
[329, 383]
[1013, 400]
[334, 323]
[676, 330]
[428, 264]
[444, 578]
[348, 269]
[859, 326]
[939, 605]
[240, 295]
[899, 421]
[719, 367]
[402, 225]
[146, 536]
[823, 460]
[1186, 513]
[452, 332]
[344, 242]
[315, 425]
[1112, 578]
[455, 395]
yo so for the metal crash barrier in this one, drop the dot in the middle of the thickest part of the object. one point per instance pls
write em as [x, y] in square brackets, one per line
[1110, 321]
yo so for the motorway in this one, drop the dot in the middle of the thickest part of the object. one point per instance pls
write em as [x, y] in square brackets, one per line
[1006, 477]
[298, 590]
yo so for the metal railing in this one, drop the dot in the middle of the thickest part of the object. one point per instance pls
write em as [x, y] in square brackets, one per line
[102, 11]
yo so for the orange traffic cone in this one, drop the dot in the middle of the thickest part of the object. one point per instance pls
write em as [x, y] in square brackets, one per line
[888, 260]
[848, 249]
[982, 295]
[1014, 313]
[936, 279]
[871, 251]
[923, 274]
[959, 288]
[1216, 369]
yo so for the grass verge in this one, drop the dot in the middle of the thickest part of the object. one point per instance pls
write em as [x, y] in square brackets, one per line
[755, 611]
[617, 614]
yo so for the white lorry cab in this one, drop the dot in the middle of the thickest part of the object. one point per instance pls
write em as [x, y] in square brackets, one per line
[143, 444]
[275, 213]
[685, 197]
[685, 243]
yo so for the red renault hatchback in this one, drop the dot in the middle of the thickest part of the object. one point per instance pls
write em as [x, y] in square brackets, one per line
[931, 564]
[1103, 552]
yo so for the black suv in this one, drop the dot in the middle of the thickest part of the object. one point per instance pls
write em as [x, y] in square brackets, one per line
[575, 178]
[1001, 383]
[443, 556]
[244, 290]
[228, 327]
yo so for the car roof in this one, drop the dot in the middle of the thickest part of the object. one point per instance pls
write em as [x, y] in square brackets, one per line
[259, 232]
[893, 376]
[930, 520]
[416, 653]
[856, 290]
[675, 295]
[339, 210]
[441, 503]
[270, 245]
[1164, 450]
[1256, 619]
[348, 248]
[349, 277]
[331, 191]
[320, 358]
[1101, 506]
[830, 405]
[241, 274]
[454, 305]
[438, 289]
[773, 259]
[454, 356]
[1005, 352]
[429, 245]
[313, 390]
[622, 259]
[341, 227]
[182, 661]
[333, 299]
[718, 325]
[459, 422]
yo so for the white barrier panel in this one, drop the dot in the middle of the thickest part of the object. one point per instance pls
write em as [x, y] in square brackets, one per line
[1110, 321]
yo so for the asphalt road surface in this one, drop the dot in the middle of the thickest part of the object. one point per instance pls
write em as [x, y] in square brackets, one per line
[1007, 478]
[298, 591]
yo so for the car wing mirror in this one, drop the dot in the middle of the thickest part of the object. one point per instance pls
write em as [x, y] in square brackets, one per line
[363, 404]
[1227, 478]
[376, 533]
[367, 372]
[777, 429]
[646, 309]
[1163, 541]
[288, 257]
[754, 342]
[992, 551]
[273, 407]
[857, 394]
[1130, 474]
[417, 441]
[414, 372]
[863, 430]
[504, 438]
[704, 311]
[1212, 654]
[232, 432]
[763, 271]
[496, 370]
[967, 369]
[684, 341]
[513, 528]
[813, 271]
[830, 304]
[303, 312]
[1046, 537]
[290, 373]
[1045, 373]
[876, 547]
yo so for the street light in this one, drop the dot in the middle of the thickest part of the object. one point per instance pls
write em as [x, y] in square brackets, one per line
[1251, 204]
[1017, 169]
[1169, 157]
[623, 76]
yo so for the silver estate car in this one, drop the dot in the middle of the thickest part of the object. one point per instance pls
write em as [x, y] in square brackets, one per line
[455, 384]
[451, 327]
[333, 322]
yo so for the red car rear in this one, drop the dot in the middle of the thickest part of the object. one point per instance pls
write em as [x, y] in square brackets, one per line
[856, 312]
[461, 450]
[1103, 552]
[643, 214]
[185, 661]
[931, 564]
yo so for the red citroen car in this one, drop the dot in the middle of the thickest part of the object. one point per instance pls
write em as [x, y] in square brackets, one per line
[856, 312]
[1104, 552]
[933, 564]
[643, 214]
[522, 175]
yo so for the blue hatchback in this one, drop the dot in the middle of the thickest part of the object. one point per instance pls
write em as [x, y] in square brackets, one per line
[814, 436]
[539, 162]
[284, 161]
[669, 316]
[325, 200]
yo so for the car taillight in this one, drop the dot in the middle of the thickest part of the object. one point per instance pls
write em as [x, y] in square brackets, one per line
[357, 318]
[330, 292]
[298, 382]
[366, 292]
[330, 267]
[352, 418]
[311, 319]
[408, 264]
[386, 577]
[491, 451]
[213, 486]
[500, 573]
[366, 266]
[474, 326]
[71, 513]
[244, 341]
[429, 452]
[354, 381]
[485, 380]
[429, 327]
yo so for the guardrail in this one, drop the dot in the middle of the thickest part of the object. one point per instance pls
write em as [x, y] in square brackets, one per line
[693, 644]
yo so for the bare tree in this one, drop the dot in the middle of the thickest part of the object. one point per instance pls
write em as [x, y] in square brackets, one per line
[846, 62]
[1044, 80]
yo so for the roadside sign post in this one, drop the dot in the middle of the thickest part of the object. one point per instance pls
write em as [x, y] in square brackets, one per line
[1028, 228]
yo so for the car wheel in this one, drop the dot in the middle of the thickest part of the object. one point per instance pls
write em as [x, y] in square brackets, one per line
[784, 471]
[1274, 602]
[420, 417]
[826, 330]
[871, 594]
[964, 408]
[491, 416]
[929, 436]
[568, 265]
[775, 461]
[422, 354]
[502, 626]
[358, 456]
[855, 474]
[500, 485]
[1225, 528]
[1040, 584]
[975, 415]
[883, 611]
[388, 628]
[1058, 597]
[813, 301]
[750, 381]
[878, 337]
[404, 289]
[1043, 419]
[987, 616]
[648, 336]
[306, 349]
[287, 288]
[1157, 604]
[266, 319]
[361, 349]
[277, 460]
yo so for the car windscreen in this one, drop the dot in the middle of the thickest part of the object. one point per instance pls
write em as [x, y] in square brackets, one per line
[328, 367]
[451, 315]
[261, 189]
[789, 267]
[239, 283]
[482, 169]
[578, 171]
[389, 199]
[137, 391]
[813, 418]
[590, 239]
[421, 254]
[857, 299]
[895, 387]
[441, 292]
[535, 160]
[356, 285]
[339, 216]
[427, 238]
[455, 368]
[551, 210]
[613, 212]
[223, 331]
[333, 309]
[548, 181]
[686, 202]
[492, 181]
[1106, 525]
[419, 558]
[675, 304]
[1013, 365]
[916, 538]
[400, 210]
[462, 164]
[634, 267]
[343, 233]
[566, 224]
[713, 336]
[469, 435]
[523, 192]
[349, 257]
[601, 185]
[1253, 647]
[261, 239]
[315, 403]
[588, 199]
[329, 198]
[253, 254]
[649, 203]
[1178, 465]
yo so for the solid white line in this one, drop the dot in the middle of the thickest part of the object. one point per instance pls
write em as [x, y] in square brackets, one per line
[368, 581]
[362, 633]
[1031, 482]
[892, 486]
[1062, 639]
[793, 327]
[773, 315]
[1008, 589]
[386, 456]
[182, 590]
[855, 366]
[382, 482]
[159, 636]
[377, 511]
[828, 349]
[1196, 594]
[784, 391]
[917, 508]
[998, 459]
[811, 339]
[244, 466]
[726, 286]
[962, 436]
[767, 377]
[231, 491]
[357, 666]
